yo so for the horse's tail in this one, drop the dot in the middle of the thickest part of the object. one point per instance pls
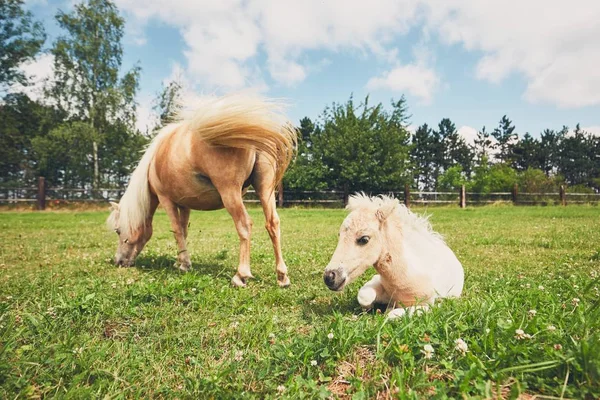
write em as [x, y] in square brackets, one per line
[246, 122]
[134, 206]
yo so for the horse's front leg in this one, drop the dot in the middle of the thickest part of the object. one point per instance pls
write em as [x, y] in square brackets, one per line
[177, 217]
[264, 176]
[232, 200]
[373, 293]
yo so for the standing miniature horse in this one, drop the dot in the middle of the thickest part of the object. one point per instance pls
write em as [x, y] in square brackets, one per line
[206, 161]
[414, 264]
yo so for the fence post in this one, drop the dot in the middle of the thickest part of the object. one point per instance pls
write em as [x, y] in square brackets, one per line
[515, 193]
[41, 193]
[563, 195]
[407, 196]
[280, 195]
[346, 194]
[463, 197]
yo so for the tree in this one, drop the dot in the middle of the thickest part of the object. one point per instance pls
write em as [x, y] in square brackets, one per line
[87, 61]
[22, 121]
[504, 135]
[452, 179]
[574, 160]
[307, 171]
[168, 103]
[482, 146]
[365, 148]
[21, 38]
[549, 149]
[526, 153]
[423, 155]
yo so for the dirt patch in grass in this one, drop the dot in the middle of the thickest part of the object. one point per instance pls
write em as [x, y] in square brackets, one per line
[355, 367]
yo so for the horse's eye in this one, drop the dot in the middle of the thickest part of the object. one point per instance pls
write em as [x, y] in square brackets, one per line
[126, 240]
[118, 231]
[363, 240]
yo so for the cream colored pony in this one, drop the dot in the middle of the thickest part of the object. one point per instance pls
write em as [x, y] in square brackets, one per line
[414, 264]
[206, 161]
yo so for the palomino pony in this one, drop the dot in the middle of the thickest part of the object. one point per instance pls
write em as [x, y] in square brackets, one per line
[414, 264]
[206, 161]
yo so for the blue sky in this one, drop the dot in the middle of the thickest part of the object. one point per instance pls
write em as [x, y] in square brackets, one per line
[467, 60]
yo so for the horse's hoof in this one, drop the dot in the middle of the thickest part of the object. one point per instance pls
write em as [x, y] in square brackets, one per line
[283, 283]
[238, 281]
[184, 267]
[396, 313]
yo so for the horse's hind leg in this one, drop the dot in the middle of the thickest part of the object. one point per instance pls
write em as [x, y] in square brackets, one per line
[232, 200]
[263, 184]
[176, 216]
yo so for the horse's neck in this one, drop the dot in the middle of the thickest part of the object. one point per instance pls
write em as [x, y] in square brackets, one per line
[392, 264]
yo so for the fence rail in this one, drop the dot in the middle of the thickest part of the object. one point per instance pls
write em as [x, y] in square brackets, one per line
[42, 194]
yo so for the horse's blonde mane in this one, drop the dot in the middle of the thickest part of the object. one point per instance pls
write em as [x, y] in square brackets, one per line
[407, 218]
[247, 121]
[134, 206]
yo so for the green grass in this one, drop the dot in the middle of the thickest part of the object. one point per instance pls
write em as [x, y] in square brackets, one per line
[74, 326]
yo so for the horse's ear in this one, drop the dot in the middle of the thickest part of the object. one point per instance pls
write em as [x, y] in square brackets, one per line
[114, 206]
[386, 209]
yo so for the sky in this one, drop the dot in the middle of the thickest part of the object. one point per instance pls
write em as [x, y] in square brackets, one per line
[473, 61]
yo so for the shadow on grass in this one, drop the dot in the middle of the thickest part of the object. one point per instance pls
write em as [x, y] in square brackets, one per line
[215, 268]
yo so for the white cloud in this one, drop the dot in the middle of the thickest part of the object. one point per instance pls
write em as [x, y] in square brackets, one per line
[418, 80]
[468, 133]
[38, 71]
[553, 44]
[223, 38]
[594, 130]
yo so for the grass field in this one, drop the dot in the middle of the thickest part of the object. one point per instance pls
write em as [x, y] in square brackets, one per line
[74, 326]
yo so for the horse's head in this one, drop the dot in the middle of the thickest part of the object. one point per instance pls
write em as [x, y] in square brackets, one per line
[131, 242]
[361, 240]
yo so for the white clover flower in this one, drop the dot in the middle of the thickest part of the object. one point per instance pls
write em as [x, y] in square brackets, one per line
[520, 334]
[271, 335]
[551, 328]
[114, 286]
[558, 346]
[130, 281]
[528, 285]
[194, 289]
[532, 313]
[330, 335]
[541, 287]
[313, 363]
[234, 325]
[487, 330]
[428, 351]
[239, 355]
[281, 388]
[575, 301]
[461, 346]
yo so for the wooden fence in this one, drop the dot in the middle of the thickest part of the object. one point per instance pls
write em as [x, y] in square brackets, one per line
[42, 194]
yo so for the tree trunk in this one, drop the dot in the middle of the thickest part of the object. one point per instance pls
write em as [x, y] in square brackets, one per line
[96, 184]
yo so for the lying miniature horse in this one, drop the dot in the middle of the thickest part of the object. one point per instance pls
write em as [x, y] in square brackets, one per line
[414, 264]
[206, 161]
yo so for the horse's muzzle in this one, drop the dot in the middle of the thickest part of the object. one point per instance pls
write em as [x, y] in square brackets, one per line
[334, 279]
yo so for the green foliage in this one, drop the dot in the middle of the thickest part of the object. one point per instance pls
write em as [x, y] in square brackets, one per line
[535, 181]
[69, 168]
[87, 61]
[168, 103]
[21, 38]
[452, 179]
[365, 148]
[74, 326]
[494, 178]
[23, 120]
